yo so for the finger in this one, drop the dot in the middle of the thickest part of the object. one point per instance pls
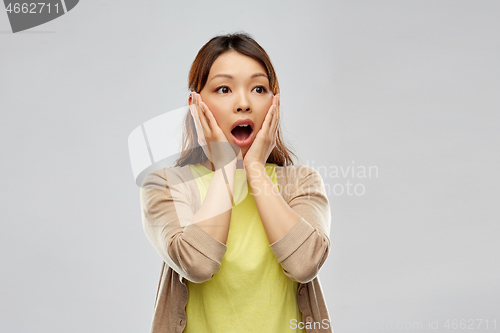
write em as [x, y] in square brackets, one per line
[200, 130]
[201, 109]
[276, 117]
[267, 120]
[278, 114]
[210, 153]
[203, 118]
[196, 118]
[274, 122]
[273, 118]
[211, 119]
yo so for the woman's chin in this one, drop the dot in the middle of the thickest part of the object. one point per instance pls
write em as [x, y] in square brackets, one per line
[244, 151]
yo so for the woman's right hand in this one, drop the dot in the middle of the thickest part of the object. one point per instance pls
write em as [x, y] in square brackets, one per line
[210, 136]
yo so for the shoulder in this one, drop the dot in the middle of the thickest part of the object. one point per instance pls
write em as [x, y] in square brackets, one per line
[297, 173]
[167, 176]
[295, 180]
[171, 184]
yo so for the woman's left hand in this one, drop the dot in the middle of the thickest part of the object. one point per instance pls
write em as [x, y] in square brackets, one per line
[265, 141]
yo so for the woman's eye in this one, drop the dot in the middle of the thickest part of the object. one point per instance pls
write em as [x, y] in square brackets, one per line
[260, 89]
[222, 90]
[226, 90]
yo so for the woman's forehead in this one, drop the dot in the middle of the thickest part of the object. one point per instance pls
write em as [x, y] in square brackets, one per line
[233, 65]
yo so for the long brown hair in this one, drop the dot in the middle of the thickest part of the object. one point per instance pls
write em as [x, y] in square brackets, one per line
[191, 152]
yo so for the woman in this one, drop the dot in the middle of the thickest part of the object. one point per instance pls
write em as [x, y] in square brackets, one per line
[241, 230]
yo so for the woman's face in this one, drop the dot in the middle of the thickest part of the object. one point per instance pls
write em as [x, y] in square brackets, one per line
[237, 88]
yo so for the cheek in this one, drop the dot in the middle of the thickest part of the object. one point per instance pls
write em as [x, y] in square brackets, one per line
[213, 109]
[220, 118]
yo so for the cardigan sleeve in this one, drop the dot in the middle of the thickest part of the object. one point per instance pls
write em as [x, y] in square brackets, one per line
[304, 248]
[167, 211]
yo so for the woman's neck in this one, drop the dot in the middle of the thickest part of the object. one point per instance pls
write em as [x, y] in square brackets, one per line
[207, 164]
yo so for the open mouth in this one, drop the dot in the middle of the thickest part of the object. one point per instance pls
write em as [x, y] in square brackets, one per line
[242, 131]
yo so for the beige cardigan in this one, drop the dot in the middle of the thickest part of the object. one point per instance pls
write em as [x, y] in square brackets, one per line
[190, 253]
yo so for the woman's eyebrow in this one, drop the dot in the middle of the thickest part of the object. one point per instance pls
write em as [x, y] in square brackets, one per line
[231, 77]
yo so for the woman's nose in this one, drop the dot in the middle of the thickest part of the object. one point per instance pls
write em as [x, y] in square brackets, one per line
[241, 109]
[242, 103]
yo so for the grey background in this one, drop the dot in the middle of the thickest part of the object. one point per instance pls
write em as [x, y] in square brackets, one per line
[408, 86]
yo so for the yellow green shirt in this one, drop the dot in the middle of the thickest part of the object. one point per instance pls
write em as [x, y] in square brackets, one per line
[250, 292]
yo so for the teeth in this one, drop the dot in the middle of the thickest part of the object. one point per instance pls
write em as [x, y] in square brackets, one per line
[243, 125]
